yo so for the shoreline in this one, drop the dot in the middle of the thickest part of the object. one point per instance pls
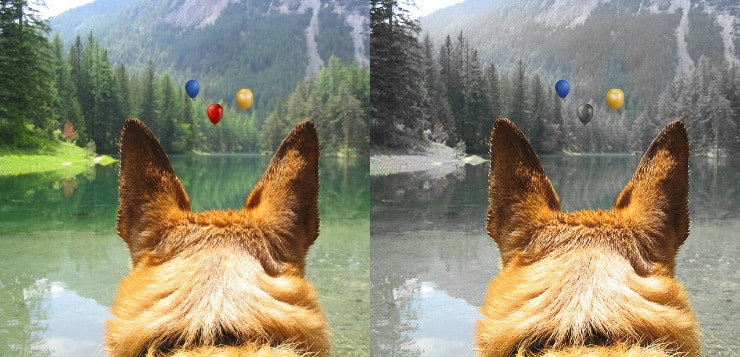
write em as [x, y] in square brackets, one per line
[435, 158]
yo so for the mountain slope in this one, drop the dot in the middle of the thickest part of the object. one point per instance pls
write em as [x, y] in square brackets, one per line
[266, 45]
[639, 46]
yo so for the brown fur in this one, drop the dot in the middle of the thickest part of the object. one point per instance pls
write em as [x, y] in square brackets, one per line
[597, 283]
[217, 282]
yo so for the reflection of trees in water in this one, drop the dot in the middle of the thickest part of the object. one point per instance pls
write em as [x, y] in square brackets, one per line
[22, 312]
[225, 181]
[590, 182]
[424, 204]
[411, 198]
[63, 228]
[50, 202]
[21, 327]
[391, 320]
[420, 223]
[715, 188]
[51, 224]
[345, 189]
[218, 181]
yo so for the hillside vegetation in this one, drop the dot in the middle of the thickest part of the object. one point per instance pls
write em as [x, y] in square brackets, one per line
[466, 65]
[76, 93]
[225, 45]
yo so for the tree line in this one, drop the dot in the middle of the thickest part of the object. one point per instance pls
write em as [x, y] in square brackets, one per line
[338, 100]
[78, 95]
[447, 94]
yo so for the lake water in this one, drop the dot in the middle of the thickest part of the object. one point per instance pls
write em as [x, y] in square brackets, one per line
[61, 259]
[432, 259]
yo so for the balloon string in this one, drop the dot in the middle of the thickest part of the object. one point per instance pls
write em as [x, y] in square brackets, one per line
[562, 110]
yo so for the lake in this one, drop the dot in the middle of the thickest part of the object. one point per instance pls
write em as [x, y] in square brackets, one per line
[432, 259]
[61, 259]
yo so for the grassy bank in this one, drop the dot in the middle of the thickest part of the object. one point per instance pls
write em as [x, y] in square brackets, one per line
[67, 158]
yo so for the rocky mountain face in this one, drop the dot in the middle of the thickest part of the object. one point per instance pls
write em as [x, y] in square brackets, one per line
[697, 24]
[199, 14]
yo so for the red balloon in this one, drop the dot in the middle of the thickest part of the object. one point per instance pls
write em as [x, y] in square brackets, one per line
[215, 112]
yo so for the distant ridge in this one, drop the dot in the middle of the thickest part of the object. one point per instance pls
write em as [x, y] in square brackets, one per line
[227, 44]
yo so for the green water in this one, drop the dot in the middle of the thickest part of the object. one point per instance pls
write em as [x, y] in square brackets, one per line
[432, 259]
[61, 259]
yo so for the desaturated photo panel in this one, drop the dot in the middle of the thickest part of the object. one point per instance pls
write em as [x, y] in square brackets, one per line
[184, 177]
[554, 178]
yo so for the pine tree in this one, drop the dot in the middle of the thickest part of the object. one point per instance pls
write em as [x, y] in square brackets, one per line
[537, 116]
[395, 94]
[274, 129]
[121, 80]
[519, 100]
[66, 105]
[108, 111]
[186, 132]
[456, 86]
[168, 113]
[446, 74]
[731, 91]
[494, 94]
[554, 128]
[437, 109]
[477, 111]
[27, 93]
[345, 111]
[83, 70]
[148, 112]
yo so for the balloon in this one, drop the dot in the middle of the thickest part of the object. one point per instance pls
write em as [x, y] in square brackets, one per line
[615, 98]
[585, 112]
[244, 98]
[562, 87]
[215, 112]
[192, 88]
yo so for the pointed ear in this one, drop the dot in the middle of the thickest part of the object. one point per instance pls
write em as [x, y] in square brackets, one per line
[147, 186]
[518, 188]
[287, 194]
[659, 190]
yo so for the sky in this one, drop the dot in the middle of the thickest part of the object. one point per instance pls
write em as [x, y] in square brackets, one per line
[56, 7]
[426, 7]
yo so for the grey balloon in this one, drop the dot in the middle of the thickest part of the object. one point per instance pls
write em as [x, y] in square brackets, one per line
[585, 112]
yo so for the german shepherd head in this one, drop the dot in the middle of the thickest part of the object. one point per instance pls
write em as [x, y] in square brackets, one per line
[219, 282]
[596, 283]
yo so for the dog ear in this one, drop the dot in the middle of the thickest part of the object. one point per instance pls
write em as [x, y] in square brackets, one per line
[520, 192]
[287, 194]
[148, 188]
[658, 192]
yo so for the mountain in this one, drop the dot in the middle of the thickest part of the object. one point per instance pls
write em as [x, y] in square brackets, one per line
[637, 45]
[265, 45]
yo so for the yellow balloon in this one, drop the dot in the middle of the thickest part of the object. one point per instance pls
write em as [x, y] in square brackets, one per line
[615, 98]
[244, 98]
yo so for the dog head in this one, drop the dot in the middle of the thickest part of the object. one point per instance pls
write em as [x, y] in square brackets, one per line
[587, 278]
[230, 277]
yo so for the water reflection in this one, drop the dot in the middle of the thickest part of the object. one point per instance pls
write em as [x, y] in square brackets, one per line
[432, 229]
[61, 259]
[434, 311]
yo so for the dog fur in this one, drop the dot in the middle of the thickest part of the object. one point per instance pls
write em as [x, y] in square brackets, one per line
[587, 283]
[228, 283]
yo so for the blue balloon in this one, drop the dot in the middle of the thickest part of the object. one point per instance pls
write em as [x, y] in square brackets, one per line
[192, 88]
[562, 87]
